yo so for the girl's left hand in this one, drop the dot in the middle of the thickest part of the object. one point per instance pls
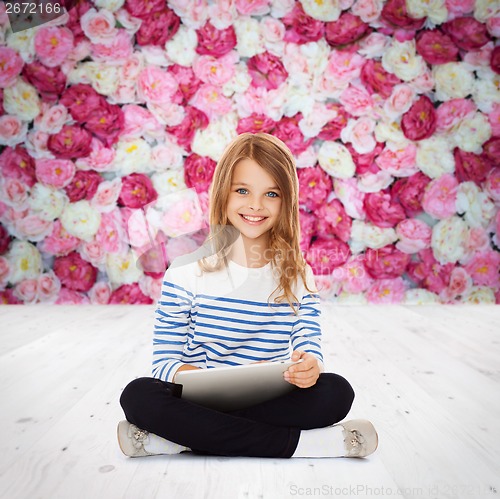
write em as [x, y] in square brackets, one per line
[304, 374]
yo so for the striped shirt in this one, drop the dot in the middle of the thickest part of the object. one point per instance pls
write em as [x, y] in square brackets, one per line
[222, 318]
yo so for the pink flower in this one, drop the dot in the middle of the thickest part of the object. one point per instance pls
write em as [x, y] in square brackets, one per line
[332, 130]
[256, 123]
[429, 273]
[188, 82]
[440, 197]
[494, 119]
[144, 8]
[7, 297]
[50, 82]
[495, 60]
[198, 172]
[4, 240]
[83, 185]
[314, 186]
[26, 290]
[365, 163]
[356, 100]
[467, 33]
[111, 233]
[400, 162]
[332, 219]
[343, 67]
[53, 44]
[395, 13]
[211, 100]
[99, 26]
[106, 123]
[436, 47]
[59, 242]
[353, 275]
[470, 166]
[367, 10]
[156, 85]
[81, 100]
[493, 26]
[215, 42]
[14, 192]
[158, 28]
[492, 150]
[100, 158]
[377, 80]
[459, 7]
[266, 71]
[71, 142]
[287, 129]
[215, 71]
[385, 291]
[325, 254]
[70, 297]
[139, 121]
[100, 293]
[4, 274]
[408, 192]
[194, 119]
[360, 134]
[452, 112]
[137, 191]
[492, 185]
[252, 7]
[302, 28]
[347, 29]
[107, 195]
[459, 285]
[307, 228]
[12, 130]
[17, 163]
[386, 262]
[74, 272]
[382, 210]
[11, 66]
[119, 49]
[55, 172]
[414, 235]
[484, 268]
[129, 294]
[48, 287]
[52, 118]
[420, 121]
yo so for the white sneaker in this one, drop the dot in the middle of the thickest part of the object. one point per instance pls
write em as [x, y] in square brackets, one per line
[135, 442]
[360, 437]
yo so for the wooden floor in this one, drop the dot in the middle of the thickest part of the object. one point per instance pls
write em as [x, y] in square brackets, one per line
[427, 376]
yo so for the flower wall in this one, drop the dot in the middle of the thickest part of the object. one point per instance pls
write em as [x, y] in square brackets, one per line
[113, 117]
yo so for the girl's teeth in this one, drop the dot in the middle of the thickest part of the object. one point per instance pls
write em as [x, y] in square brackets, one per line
[253, 219]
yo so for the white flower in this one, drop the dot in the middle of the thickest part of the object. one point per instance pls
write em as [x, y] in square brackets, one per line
[365, 234]
[298, 100]
[239, 82]
[181, 48]
[434, 10]
[477, 206]
[312, 123]
[155, 56]
[132, 155]
[111, 5]
[390, 132]
[25, 261]
[402, 60]
[47, 202]
[167, 113]
[336, 160]
[324, 10]
[453, 81]
[81, 220]
[213, 140]
[375, 182]
[167, 182]
[369, 11]
[486, 92]
[280, 8]
[166, 156]
[249, 37]
[419, 296]
[449, 239]
[472, 133]
[308, 157]
[486, 9]
[435, 157]
[23, 43]
[479, 294]
[122, 268]
[374, 45]
[21, 100]
[102, 76]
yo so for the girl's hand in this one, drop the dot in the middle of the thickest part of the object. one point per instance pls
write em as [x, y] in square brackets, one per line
[304, 374]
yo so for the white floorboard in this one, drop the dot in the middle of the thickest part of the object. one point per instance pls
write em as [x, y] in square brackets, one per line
[427, 376]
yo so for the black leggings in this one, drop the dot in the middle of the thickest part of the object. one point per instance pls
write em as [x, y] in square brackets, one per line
[269, 429]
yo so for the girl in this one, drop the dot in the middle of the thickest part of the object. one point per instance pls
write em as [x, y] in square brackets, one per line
[216, 311]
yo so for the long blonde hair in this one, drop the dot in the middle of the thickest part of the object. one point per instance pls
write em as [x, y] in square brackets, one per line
[274, 156]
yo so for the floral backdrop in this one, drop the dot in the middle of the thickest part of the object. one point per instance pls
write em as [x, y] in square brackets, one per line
[112, 119]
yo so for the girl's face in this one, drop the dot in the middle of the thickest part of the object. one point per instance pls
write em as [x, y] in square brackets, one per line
[254, 202]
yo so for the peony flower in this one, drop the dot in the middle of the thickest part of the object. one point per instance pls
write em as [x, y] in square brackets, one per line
[477, 208]
[332, 219]
[256, 123]
[385, 291]
[211, 101]
[448, 239]
[52, 118]
[49, 82]
[120, 49]
[325, 254]
[11, 65]
[122, 268]
[486, 91]
[12, 130]
[266, 71]
[129, 294]
[27, 291]
[365, 235]
[81, 220]
[467, 33]
[495, 60]
[472, 133]
[414, 235]
[491, 186]
[100, 293]
[434, 157]
[459, 285]
[436, 47]
[398, 162]
[353, 276]
[377, 80]
[336, 160]
[137, 191]
[322, 11]
[71, 142]
[396, 13]
[107, 195]
[106, 123]
[484, 268]
[386, 262]
[347, 29]
[381, 210]
[332, 130]
[74, 272]
[156, 85]
[198, 172]
[368, 10]
[440, 196]
[24, 260]
[360, 134]
[356, 100]
[81, 100]
[215, 42]
[450, 113]
[99, 26]
[302, 28]
[158, 28]
[402, 60]
[58, 242]
[435, 10]
[55, 172]
[132, 155]
[314, 187]
[181, 48]
[21, 99]
[419, 122]
[53, 44]
[409, 192]
[453, 80]
[83, 185]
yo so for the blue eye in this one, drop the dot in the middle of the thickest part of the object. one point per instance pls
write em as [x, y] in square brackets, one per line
[240, 189]
[274, 194]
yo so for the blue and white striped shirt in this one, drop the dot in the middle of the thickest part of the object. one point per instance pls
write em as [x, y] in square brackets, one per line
[214, 319]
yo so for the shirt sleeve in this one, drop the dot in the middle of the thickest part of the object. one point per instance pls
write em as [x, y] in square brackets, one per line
[306, 332]
[171, 327]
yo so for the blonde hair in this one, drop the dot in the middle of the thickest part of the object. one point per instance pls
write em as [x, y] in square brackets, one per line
[274, 156]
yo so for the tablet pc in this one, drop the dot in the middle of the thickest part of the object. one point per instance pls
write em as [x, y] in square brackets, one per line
[235, 387]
